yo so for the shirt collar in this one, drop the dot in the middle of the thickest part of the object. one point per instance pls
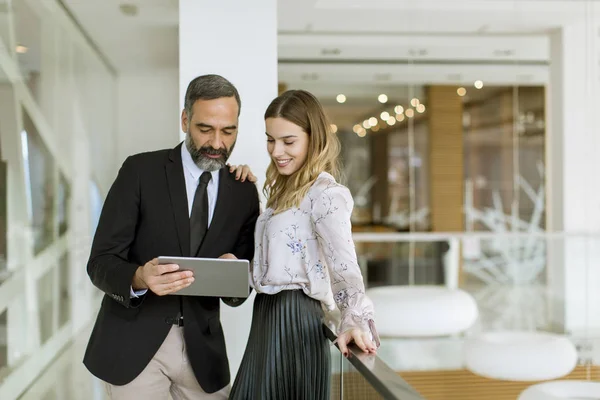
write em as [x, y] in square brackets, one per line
[191, 166]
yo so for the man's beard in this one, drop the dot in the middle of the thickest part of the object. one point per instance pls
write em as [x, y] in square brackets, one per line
[200, 155]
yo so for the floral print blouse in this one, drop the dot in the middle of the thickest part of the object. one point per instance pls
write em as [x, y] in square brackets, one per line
[311, 248]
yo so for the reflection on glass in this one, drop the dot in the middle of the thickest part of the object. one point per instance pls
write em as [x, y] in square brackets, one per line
[3, 217]
[356, 168]
[95, 206]
[45, 292]
[402, 263]
[39, 173]
[504, 156]
[64, 196]
[64, 284]
[380, 161]
[3, 340]
[28, 35]
[505, 182]
[400, 161]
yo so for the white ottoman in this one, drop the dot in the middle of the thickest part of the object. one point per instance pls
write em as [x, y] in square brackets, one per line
[520, 356]
[422, 311]
[562, 390]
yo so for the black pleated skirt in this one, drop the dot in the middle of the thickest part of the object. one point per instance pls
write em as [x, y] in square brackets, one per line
[287, 356]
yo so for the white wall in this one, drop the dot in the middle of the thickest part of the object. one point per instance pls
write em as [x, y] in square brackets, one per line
[244, 50]
[573, 165]
[148, 112]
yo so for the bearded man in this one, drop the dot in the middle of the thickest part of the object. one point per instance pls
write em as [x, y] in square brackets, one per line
[175, 202]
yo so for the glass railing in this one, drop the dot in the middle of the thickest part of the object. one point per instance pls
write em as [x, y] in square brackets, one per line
[364, 376]
[465, 315]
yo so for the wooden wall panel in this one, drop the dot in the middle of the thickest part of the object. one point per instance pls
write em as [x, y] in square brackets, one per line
[446, 159]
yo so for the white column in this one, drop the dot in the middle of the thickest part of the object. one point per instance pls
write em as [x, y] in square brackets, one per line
[573, 160]
[237, 40]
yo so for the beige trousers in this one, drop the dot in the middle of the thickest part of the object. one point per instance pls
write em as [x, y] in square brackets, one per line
[169, 372]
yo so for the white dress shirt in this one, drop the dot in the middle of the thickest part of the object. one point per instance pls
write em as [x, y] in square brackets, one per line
[192, 173]
[311, 248]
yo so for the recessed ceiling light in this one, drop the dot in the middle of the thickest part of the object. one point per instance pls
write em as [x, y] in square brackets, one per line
[21, 49]
[341, 98]
[399, 109]
[391, 121]
[334, 128]
[478, 84]
[461, 91]
[410, 113]
[362, 133]
[366, 124]
[414, 102]
[421, 108]
[382, 98]
[372, 121]
[356, 128]
[385, 115]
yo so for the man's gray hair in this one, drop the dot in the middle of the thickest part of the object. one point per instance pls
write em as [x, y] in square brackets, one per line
[209, 87]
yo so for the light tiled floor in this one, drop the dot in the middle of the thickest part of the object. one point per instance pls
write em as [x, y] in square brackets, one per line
[67, 378]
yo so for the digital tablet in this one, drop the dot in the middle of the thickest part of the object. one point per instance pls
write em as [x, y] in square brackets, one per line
[214, 277]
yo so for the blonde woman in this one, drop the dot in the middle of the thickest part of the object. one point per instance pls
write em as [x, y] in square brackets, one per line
[304, 259]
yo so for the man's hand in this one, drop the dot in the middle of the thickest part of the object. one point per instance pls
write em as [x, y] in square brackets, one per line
[242, 172]
[162, 279]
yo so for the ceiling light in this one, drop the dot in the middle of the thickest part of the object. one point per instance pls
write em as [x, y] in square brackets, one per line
[461, 91]
[410, 113]
[478, 84]
[385, 115]
[341, 98]
[372, 121]
[400, 117]
[415, 102]
[399, 109]
[334, 128]
[366, 124]
[362, 133]
[356, 128]
[382, 98]
[375, 128]
[421, 108]
[21, 49]
[391, 121]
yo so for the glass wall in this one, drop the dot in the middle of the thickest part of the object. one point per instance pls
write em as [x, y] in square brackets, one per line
[50, 80]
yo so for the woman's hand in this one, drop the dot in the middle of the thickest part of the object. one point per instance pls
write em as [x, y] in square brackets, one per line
[242, 172]
[228, 256]
[360, 337]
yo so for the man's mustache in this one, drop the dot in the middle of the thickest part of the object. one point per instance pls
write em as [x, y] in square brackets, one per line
[212, 151]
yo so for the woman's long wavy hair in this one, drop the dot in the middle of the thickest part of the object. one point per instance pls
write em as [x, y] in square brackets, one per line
[304, 110]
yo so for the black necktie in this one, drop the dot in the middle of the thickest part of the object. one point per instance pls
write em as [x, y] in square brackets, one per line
[199, 217]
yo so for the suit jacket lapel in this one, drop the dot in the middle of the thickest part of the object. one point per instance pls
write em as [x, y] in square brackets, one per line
[219, 219]
[178, 194]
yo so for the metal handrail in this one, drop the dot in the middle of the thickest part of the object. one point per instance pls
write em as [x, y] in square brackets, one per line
[377, 373]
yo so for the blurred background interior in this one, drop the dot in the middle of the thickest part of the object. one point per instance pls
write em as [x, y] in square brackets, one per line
[470, 136]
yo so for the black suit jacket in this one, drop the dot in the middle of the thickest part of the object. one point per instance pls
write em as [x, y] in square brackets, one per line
[145, 215]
